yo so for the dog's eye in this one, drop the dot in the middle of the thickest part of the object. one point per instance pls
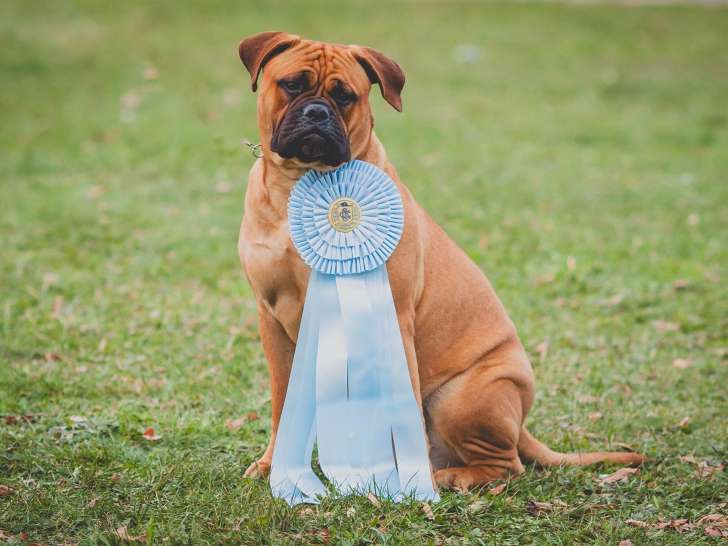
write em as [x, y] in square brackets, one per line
[342, 96]
[292, 87]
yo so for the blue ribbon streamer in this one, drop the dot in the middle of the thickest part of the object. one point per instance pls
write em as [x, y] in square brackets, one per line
[350, 390]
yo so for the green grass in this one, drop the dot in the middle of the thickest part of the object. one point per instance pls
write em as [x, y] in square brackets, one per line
[578, 154]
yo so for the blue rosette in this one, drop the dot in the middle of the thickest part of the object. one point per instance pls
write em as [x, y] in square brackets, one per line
[345, 221]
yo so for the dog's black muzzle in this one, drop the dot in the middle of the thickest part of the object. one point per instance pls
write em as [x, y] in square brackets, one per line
[312, 132]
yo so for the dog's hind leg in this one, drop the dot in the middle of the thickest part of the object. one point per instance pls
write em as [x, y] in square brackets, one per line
[477, 417]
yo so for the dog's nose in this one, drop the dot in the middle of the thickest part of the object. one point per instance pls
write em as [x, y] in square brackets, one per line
[316, 112]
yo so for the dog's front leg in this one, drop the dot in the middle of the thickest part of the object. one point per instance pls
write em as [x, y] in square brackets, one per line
[278, 349]
[407, 329]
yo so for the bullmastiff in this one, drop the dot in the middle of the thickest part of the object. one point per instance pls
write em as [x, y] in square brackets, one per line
[470, 373]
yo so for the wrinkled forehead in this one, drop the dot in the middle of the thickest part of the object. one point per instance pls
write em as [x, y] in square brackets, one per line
[323, 61]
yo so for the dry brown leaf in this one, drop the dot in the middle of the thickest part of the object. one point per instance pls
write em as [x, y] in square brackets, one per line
[6, 491]
[536, 508]
[718, 520]
[680, 284]
[131, 99]
[57, 306]
[688, 459]
[156, 382]
[570, 263]
[4, 534]
[234, 424]
[115, 477]
[683, 422]
[613, 300]
[543, 350]
[498, 489]
[323, 535]
[150, 72]
[150, 435]
[713, 531]
[123, 534]
[223, 187]
[23, 535]
[17, 419]
[427, 509]
[93, 502]
[236, 525]
[712, 276]
[682, 363]
[680, 525]
[373, 499]
[706, 470]
[619, 476]
[665, 326]
[94, 192]
[626, 543]
[50, 279]
[307, 511]
[595, 416]
[546, 278]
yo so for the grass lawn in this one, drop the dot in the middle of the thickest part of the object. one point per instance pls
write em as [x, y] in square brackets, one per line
[579, 154]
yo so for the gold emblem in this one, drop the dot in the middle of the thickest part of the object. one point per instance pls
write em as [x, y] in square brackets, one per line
[344, 215]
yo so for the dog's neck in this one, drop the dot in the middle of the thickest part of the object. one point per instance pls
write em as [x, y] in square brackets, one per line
[278, 179]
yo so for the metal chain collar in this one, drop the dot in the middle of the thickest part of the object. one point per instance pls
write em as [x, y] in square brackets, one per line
[255, 149]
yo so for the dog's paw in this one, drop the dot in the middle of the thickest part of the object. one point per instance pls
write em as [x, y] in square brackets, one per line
[258, 469]
[454, 478]
[464, 478]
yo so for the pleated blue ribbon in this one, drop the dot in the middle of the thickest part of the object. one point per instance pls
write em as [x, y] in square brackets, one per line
[349, 391]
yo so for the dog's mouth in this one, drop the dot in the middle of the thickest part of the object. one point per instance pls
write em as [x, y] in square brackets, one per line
[311, 137]
[313, 147]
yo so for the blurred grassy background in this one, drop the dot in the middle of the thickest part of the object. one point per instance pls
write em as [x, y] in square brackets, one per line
[578, 153]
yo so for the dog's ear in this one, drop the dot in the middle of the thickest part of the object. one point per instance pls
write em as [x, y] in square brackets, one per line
[384, 71]
[257, 50]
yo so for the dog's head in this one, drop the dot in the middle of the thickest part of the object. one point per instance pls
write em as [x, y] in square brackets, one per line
[313, 106]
